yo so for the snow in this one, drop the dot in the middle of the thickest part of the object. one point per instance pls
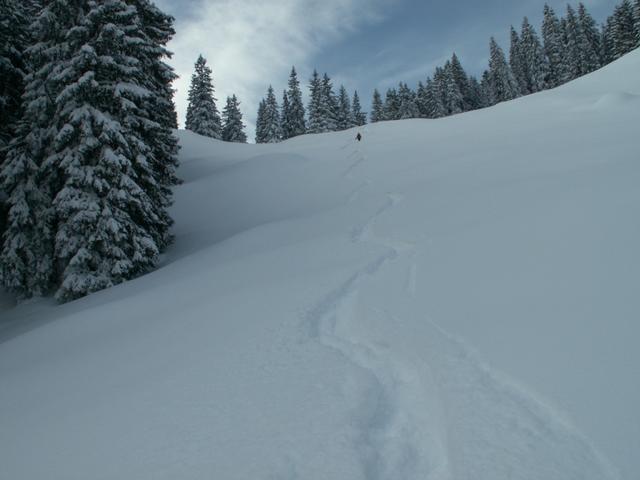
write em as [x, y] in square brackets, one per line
[447, 299]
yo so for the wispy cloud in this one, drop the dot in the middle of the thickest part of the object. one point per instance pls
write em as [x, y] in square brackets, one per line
[251, 43]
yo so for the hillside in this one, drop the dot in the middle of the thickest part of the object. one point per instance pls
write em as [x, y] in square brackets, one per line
[447, 299]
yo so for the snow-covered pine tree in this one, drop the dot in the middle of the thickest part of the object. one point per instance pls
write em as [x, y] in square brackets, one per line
[636, 21]
[485, 87]
[315, 109]
[271, 116]
[391, 105]
[517, 64]
[284, 116]
[377, 107]
[233, 128]
[503, 85]
[26, 246]
[157, 30]
[260, 122]
[295, 118]
[407, 106]
[111, 211]
[359, 117]
[202, 113]
[476, 93]
[344, 118]
[574, 40]
[82, 148]
[329, 105]
[462, 81]
[453, 96]
[421, 100]
[534, 62]
[606, 41]
[26, 250]
[589, 41]
[13, 41]
[553, 47]
[623, 37]
[436, 95]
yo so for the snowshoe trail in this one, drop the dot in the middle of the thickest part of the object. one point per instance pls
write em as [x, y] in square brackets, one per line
[440, 413]
[397, 433]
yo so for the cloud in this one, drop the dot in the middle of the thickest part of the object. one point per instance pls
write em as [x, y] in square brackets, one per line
[252, 43]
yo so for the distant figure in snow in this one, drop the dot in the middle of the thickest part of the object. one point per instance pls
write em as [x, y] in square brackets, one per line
[358, 136]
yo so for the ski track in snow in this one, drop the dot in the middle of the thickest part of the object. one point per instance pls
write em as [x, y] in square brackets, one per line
[395, 438]
[406, 415]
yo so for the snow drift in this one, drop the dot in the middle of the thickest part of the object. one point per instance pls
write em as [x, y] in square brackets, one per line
[447, 299]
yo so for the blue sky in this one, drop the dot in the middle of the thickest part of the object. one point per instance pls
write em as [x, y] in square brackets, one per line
[363, 44]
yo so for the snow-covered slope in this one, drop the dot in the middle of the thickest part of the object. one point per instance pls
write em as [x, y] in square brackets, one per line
[447, 300]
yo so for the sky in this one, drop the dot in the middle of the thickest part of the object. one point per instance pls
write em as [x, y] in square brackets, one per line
[363, 44]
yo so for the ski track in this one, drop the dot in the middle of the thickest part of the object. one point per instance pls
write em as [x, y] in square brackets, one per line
[430, 420]
[395, 439]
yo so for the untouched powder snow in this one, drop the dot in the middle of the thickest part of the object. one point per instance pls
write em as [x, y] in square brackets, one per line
[454, 299]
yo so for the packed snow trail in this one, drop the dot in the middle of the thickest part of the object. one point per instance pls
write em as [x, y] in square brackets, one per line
[407, 412]
[451, 299]
[399, 433]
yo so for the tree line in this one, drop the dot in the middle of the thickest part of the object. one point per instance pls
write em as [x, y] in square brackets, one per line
[569, 47]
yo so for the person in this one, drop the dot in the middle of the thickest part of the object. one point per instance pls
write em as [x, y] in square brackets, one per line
[358, 136]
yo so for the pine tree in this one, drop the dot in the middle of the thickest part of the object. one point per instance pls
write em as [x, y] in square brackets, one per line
[316, 113]
[202, 113]
[260, 122]
[329, 105]
[476, 94]
[26, 240]
[636, 21]
[359, 117]
[157, 29]
[623, 35]
[344, 118]
[436, 95]
[295, 116]
[233, 128]
[516, 62]
[421, 100]
[553, 47]
[503, 85]
[607, 41]
[534, 63]
[454, 101]
[284, 116]
[573, 41]
[462, 81]
[82, 209]
[391, 105]
[589, 41]
[271, 118]
[13, 41]
[377, 108]
[485, 87]
[407, 106]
